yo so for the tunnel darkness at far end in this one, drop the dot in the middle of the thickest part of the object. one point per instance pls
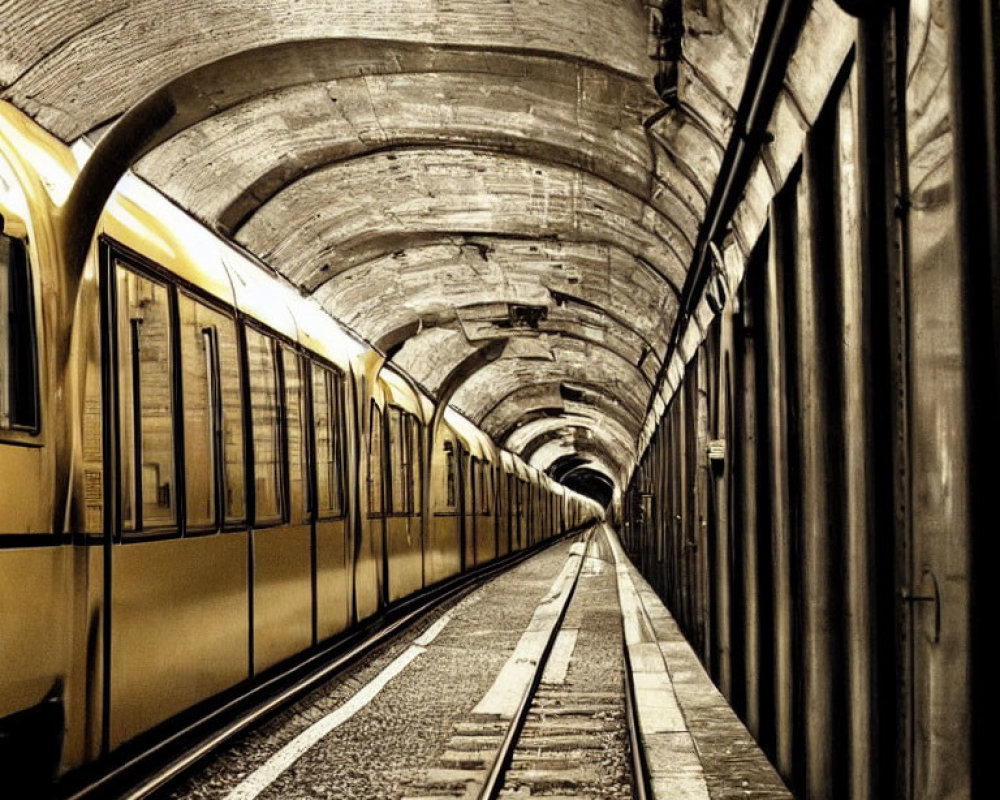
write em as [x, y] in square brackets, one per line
[591, 483]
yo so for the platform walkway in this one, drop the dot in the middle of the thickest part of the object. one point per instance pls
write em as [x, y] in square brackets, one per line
[696, 747]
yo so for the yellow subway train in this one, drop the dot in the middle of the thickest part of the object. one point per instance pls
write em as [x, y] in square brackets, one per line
[202, 475]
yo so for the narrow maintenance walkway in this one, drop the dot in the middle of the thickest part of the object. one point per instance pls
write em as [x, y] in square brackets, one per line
[425, 717]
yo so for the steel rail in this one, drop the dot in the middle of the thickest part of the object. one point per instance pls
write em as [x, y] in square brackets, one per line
[170, 756]
[494, 782]
[641, 788]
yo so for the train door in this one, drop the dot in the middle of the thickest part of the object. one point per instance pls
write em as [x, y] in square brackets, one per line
[466, 499]
[281, 533]
[417, 525]
[499, 510]
[510, 511]
[516, 511]
[404, 542]
[539, 513]
[485, 531]
[444, 554]
[328, 503]
[544, 531]
[371, 567]
[39, 589]
[522, 513]
[530, 512]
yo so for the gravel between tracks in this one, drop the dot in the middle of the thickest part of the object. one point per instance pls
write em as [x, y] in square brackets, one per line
[553, 759]
[376, 753]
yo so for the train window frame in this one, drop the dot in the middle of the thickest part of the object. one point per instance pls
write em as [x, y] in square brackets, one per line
[229, 475]
[450, 476]
[380, 512]
[334, 384]
[19, 352]
[485, 472]
[117, 257]
[398, 446]
[416, 435]
[251, 326]
[192, 444]
[298, 489]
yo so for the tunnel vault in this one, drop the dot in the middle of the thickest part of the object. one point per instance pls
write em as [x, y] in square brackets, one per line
[445, 179]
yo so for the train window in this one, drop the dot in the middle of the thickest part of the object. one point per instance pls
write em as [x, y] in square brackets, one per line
[463, 471]
[416, 465]
[473, 500]
[449, 474]
[265, 422]
[399, 462]
[213, 414]
[375, 465]
[145, 390]
[484, 487]
[18, 362]
[295, 422]
[404, 455]
[327, 420]
[199, 368]
[231, 438]
[511, 503]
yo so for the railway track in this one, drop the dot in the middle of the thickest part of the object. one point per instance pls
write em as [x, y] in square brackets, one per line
[566, 738]
[157, 762]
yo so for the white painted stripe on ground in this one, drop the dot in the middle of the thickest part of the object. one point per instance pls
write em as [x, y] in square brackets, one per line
[270, 770]
[562, 651]
[432, 632]
[594, 564]
[504, 696]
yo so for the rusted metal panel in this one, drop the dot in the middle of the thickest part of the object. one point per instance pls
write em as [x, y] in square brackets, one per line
[818, 534]
[723, 491]
[855, 398]
[937, 376]
[747, 463]
[778, 479]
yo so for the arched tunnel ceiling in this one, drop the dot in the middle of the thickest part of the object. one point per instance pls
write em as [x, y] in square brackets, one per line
[442, 176]
[561, 458]
[581, 437]
[553, 399]
[366, 207]
[534, 432]
[544, 108]
[152, 41]
[596, 285]
[573, 365]
[571, 443]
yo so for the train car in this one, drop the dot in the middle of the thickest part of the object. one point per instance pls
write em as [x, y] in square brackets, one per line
[203, 475]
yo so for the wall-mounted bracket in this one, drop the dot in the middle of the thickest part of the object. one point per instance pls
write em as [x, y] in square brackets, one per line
[929, 593]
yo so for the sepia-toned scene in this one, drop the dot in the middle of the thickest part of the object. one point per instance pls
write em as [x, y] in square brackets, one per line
[425, 399]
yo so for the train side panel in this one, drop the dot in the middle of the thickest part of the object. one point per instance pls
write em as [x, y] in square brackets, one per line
[179, 623]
